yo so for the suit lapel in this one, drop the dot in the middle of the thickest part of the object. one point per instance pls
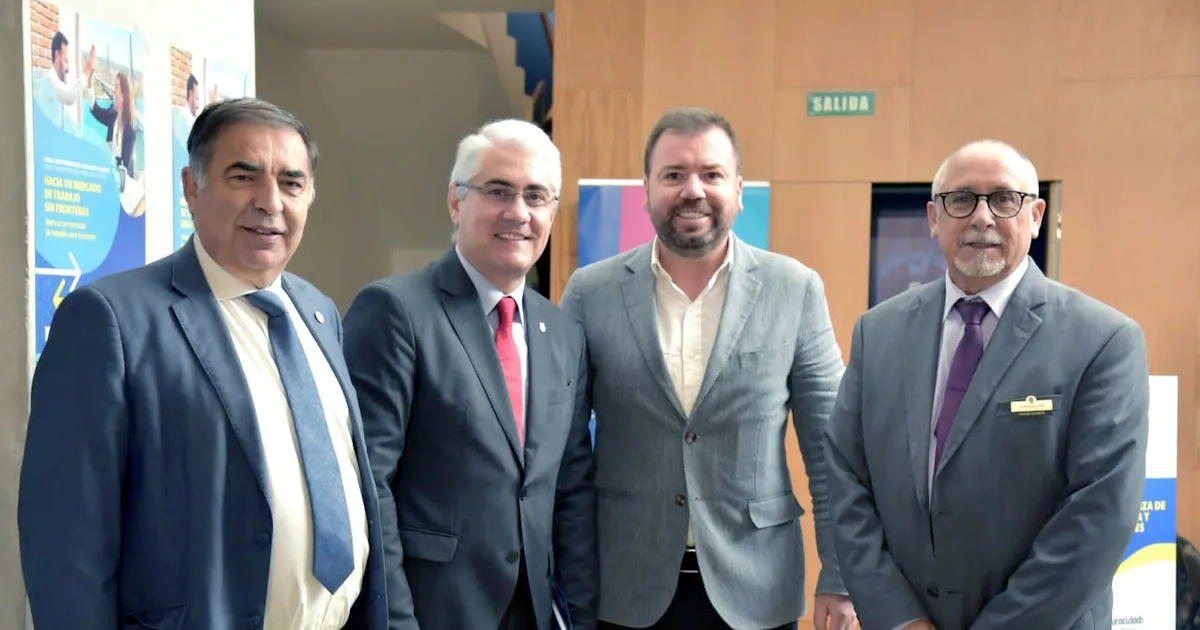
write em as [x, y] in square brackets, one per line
[640, 307]
[326, 338]
[1013, 331]
[461, 303]
[925, 325]
[741, 294]
[541, 370]
[203, 325]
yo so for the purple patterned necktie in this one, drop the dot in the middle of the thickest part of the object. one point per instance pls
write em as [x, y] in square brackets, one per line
[966, 359]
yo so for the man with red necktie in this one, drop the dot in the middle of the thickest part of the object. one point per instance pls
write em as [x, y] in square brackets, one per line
[473, 395]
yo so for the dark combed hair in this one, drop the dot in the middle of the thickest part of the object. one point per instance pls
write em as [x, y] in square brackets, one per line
[689, 121]
[219, 116]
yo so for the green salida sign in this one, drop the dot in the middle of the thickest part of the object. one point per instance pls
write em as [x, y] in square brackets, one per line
[841, 103]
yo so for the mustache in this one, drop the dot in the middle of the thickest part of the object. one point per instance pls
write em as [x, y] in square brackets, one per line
[692, 205]
[980, 238]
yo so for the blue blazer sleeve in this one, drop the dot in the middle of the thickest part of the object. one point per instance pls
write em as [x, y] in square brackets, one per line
[69, 510]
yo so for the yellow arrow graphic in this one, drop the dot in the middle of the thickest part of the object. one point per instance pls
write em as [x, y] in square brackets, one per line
[58, 296]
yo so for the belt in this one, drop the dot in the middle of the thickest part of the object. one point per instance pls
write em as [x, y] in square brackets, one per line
[691, 564]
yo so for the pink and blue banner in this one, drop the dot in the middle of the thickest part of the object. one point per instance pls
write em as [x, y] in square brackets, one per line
[613, 218]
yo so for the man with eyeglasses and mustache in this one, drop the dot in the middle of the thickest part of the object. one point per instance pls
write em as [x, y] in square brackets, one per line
[472, 390]
[988, 447]
[700, 346]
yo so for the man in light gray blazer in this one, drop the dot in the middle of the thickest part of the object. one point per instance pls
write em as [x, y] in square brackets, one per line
[988, 448]
[699, 347]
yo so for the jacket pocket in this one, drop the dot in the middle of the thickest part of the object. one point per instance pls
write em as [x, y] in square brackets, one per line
[426, 545]
[776, 510]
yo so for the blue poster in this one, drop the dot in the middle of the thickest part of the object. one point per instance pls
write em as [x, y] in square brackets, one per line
[197, 82]
[88, 155]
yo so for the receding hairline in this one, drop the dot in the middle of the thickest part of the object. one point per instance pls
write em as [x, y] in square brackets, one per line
[1019, 165]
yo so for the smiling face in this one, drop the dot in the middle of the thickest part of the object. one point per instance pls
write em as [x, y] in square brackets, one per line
[693, 191]
[980, 248]
[504, 217]
[249, 214]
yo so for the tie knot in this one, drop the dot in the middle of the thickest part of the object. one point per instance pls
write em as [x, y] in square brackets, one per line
[507, 309]
[972, 312]
[268, 303]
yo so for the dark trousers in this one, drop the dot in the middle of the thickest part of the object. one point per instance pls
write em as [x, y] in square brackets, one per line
[690, 609]
[519, 615]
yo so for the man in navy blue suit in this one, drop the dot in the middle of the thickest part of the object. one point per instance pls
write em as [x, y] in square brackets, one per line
[195, 453]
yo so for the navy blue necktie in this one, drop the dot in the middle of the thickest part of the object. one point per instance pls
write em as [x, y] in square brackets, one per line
[333, 555]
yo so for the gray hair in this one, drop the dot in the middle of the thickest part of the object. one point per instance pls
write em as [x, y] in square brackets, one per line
[508, 131]
[689, 121]
[1025, 171]
[217, 117]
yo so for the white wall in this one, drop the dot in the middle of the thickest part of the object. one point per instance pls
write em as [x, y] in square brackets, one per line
[387, 123]
[222, 29]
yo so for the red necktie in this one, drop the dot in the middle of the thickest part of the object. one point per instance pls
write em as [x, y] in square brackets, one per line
[510, 360]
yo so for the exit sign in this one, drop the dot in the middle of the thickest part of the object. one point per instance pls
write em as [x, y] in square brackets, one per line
[841, 103]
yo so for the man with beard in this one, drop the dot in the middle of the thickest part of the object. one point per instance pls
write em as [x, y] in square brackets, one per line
[700, 345]
[988, 448]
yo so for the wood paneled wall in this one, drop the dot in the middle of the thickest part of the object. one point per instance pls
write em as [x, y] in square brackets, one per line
[1103, 95]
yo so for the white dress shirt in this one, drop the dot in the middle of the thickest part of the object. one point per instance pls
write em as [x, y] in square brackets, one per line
[489, 297]
[687, 330]
[295, 599]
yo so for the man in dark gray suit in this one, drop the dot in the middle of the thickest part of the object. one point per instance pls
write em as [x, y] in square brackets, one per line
[988, 448]
[195, 455]
[473, 391]
[700, 345]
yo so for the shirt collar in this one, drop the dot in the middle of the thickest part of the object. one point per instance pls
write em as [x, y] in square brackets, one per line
[490, 294]
[225, 286]
[657, 267]
[996, 296]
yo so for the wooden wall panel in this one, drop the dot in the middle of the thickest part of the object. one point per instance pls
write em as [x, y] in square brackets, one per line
[845, 45]
[1119, 39]
[817, 224]
[983, 69]
[699, 53]
[1129, 231]
[1101, 94]
[598, 45]
[853, 149]
[597, 108]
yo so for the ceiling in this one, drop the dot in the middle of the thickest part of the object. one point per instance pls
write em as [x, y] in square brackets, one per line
[405, 24]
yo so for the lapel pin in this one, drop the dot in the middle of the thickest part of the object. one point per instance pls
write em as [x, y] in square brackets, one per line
[320, 317]
[541, 326]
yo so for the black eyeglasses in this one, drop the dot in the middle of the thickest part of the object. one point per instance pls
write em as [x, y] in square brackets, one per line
[1005, 204]
[534, 197]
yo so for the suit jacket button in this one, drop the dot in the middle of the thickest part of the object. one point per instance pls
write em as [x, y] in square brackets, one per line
[262, 539]
[255, 621]
[680, 499]
[932, 591]
[512, 557]
[524, 493]
[690, 438]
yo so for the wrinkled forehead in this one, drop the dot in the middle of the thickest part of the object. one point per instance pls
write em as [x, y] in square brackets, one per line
[988, 170]
[275, 149]
[517, 167]
[707, 149]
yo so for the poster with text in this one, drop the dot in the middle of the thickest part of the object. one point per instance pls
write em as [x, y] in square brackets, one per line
[88, 154]
[1144, 588]
[196, 82]
[613, 219]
